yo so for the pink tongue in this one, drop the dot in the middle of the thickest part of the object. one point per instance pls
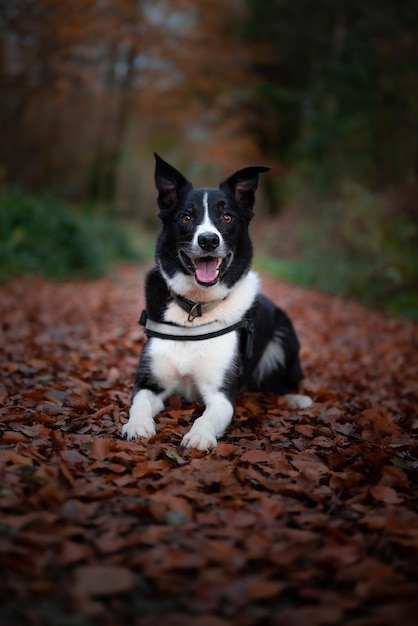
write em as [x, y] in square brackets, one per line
[206, 269]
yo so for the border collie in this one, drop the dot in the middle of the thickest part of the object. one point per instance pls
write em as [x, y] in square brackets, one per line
[210, 332]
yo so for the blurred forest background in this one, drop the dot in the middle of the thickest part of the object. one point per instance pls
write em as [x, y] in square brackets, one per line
[325, 92]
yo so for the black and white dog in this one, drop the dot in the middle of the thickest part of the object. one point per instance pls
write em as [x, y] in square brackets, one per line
[210, 332]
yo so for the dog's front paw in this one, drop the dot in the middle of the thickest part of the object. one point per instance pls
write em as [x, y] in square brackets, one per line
[139, 428]
[200, 439]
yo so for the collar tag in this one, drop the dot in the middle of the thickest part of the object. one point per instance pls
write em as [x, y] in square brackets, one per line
[195, 311]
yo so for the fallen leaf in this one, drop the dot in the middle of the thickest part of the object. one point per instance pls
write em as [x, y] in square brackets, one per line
[255, 456]
[99, 448]
[261, 589]
[103, 580]
[173, 456]
[385, 494]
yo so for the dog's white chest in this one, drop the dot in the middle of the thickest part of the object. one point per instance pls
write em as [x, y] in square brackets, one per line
[192, 368]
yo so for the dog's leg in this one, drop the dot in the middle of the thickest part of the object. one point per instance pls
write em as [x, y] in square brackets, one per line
[298, 401]
[145, 406]
[212, 423]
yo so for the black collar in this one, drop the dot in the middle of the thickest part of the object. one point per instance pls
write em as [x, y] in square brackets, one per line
[194, 309]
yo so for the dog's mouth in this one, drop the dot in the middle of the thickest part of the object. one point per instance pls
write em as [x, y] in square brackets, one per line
[207, 269]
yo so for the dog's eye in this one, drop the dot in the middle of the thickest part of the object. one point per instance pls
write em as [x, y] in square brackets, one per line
[227, 218]
[186, 218]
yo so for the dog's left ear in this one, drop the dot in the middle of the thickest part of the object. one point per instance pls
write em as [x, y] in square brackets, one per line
[169, 182]
[243, 184]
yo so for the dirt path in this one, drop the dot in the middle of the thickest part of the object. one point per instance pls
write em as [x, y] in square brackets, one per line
[298, 518]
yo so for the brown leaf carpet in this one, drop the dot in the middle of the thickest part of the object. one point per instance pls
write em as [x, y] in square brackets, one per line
[305, 517]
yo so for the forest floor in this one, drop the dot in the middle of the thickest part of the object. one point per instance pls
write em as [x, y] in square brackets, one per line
[298, 518]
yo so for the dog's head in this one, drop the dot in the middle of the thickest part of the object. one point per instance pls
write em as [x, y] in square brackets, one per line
[204, 239]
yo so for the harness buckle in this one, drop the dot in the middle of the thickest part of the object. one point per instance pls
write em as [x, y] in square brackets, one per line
[247, 340]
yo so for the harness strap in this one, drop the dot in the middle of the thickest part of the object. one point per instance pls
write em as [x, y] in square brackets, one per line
[184, 333]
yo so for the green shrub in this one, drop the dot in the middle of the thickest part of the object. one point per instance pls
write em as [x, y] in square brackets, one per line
[359, 246]
[40, 235]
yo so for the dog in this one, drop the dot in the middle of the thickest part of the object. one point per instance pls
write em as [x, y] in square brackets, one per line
[211, 333]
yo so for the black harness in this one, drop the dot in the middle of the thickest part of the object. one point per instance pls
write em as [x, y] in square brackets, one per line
[175, 332]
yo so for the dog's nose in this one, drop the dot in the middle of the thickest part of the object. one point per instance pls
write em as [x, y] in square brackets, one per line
[208, 241]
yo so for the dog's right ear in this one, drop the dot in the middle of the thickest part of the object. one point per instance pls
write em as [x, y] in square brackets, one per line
[169, 183]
